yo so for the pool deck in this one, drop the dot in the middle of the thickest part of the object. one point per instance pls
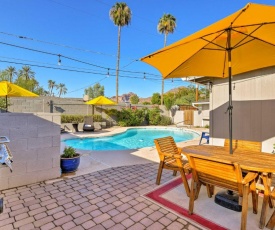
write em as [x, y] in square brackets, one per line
[106, 192]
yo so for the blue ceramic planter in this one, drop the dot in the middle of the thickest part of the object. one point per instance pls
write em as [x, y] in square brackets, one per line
[69, 164]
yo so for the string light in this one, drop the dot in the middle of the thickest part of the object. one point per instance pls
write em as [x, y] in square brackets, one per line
[73, 59]
[234, 86]
[144, 77]
[108, 73]
[59, 60]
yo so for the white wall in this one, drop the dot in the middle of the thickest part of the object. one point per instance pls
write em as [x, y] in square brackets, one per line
[253, 97]
[35, 146]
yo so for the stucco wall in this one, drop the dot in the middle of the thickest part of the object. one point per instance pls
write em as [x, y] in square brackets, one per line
[35, 146]
[253, 97]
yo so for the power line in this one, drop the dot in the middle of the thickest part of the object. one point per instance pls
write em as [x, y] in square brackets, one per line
[73, 59]
[86, 72]
[72, 70]
[56, 44]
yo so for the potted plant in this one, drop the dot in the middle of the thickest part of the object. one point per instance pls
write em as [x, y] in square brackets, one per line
[70, 160]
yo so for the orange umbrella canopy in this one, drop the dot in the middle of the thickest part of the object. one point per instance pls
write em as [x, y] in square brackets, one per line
[241, 42]
[249, 34]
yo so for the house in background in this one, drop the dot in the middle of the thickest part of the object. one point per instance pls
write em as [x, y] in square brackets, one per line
[196, 114]
[253, 96]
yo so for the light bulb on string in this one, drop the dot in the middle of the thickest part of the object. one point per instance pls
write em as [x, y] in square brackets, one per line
[108, 73]
[144, 77]
[59, 60]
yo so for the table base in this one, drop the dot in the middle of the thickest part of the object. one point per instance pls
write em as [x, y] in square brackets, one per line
[228, 199]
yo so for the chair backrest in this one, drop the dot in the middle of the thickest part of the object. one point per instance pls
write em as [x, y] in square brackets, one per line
[166, 145]
[221, 173]
[244, 145]
[88, 120]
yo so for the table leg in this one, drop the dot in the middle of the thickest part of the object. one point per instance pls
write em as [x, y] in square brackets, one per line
[266, 182]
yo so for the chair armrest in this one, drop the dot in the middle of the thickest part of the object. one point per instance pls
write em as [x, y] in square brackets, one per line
[179, 150]
[249, 177]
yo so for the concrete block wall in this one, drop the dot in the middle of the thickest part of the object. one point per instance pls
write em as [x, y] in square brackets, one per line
[35, 146]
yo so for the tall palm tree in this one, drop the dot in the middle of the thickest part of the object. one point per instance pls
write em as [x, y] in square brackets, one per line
[166, 25]
[121, 15]
[26, 73]
[10, 72]
[51, 85]
[62, 89]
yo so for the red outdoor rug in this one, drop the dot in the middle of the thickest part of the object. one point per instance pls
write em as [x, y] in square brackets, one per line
[207, 214]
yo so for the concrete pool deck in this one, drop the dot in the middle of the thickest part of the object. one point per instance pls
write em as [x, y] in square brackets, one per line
[92, 161]
[105, 193]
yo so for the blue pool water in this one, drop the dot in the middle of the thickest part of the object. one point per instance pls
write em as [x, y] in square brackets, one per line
[131, 139]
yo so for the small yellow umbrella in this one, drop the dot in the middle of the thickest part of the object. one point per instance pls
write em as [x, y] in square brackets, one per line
[101, 100]
[242, 42]
[8, 89]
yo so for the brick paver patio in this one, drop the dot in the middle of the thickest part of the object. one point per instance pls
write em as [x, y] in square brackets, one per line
[107, 199]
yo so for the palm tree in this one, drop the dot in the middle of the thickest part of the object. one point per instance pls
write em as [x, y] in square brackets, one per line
[51, 85]
[11, 72]
[62, 89]
[166, 25]
[121, 15]
[26, 73]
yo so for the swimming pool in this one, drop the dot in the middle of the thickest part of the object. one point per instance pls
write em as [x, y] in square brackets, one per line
[133, 138]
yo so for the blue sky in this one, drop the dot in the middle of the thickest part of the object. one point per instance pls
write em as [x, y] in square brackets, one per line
[89, 35]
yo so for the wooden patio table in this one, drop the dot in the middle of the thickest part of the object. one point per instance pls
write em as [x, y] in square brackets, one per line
[263, 163]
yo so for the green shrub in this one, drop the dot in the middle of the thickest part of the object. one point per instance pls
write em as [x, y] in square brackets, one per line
[69, 152]
[154, 116]
[78, 118]
[96, 117]
[164, 120]
[112, 112]
[206, 126]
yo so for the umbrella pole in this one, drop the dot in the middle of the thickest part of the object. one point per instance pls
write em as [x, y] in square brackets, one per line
[230, 106]
[6, 103]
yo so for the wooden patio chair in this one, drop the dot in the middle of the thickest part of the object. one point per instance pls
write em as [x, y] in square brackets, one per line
[167, 150]
[225, 174]
[244, 145]
[262, 186]
[271, 222]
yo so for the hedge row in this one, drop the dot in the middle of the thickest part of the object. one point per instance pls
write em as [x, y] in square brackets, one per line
[79, 118]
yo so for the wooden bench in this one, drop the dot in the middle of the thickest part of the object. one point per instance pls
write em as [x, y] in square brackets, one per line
[222, 173]
[167, 150]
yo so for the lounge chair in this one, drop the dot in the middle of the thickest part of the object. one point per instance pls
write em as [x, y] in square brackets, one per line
[167, 148]
[88, 124]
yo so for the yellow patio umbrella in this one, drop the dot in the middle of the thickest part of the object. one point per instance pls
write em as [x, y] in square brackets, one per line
[101, 100]
[241, 42]
[8, 89]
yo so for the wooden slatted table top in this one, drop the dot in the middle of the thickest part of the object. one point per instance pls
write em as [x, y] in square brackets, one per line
[249, 160]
